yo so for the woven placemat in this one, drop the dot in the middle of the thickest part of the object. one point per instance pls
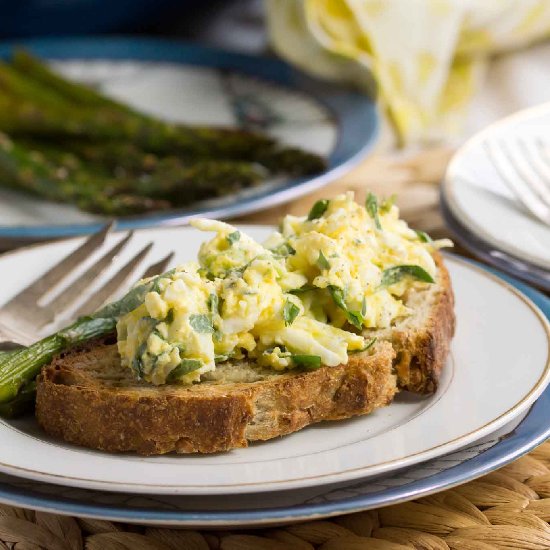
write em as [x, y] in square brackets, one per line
[506, 509]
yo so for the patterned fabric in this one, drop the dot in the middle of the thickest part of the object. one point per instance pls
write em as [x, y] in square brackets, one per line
[427, 56]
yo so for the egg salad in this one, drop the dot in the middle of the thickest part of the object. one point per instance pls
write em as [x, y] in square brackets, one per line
[299, 300]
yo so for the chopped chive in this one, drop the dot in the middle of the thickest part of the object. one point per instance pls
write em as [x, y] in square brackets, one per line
[367, 346]
[308, 362]
[372, 208]
[302, 289]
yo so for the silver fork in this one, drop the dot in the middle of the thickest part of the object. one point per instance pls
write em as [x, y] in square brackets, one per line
[524, 167]
[22, 317]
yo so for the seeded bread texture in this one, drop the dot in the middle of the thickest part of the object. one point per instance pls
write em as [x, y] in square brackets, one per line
[86, 397]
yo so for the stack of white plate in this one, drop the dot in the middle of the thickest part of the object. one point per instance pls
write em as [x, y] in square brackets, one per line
[484, 214]
[490, 408]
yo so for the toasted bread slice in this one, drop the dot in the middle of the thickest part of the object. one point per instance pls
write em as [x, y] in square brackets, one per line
[86, 397]
[422, 341]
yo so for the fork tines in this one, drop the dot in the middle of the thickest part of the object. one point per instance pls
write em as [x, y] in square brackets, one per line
[523, 166]
[23, 316]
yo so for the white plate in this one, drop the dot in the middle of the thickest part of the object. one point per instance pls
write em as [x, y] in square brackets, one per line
[478, 198]
[499, 366]
[525, 432]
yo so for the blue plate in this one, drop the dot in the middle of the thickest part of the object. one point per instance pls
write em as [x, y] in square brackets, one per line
[445, 472]
[340, 124]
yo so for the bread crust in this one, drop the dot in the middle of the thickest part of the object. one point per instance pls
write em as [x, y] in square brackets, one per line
[205, 418]
[421, 352]
[96, 412]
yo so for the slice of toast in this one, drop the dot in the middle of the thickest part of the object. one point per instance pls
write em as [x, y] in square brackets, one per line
[86, 397]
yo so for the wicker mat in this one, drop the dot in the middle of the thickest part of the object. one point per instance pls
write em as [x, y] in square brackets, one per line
[505, 509]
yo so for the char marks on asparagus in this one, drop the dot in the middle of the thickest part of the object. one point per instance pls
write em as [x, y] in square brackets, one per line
[66, 142]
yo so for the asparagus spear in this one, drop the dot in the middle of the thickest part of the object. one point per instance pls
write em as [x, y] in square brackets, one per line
[21, 403]
[19, 368]
[38, 71]
[135, 172]
[66, 180]
[18, 85]
[183, 184]
[293, 161]
[119, 157]
[111, 119]
[163, 134]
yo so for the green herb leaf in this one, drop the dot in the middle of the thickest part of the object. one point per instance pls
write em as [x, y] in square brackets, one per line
[395, 274]
[364, 307]
[233, 237]
[322, 262]
[181, 348]
[354, 317]
[284, 250]
[201, 323]
[290, 312]
[203, 272]
[302, 289]
[372, 208]
[422, 236]
[386, 204]
[367, 346]
[308, 362]
[185, 367]
[318, 209]
[338, 296]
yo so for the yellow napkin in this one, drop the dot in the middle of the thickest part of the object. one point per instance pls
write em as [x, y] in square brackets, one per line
[427, 56]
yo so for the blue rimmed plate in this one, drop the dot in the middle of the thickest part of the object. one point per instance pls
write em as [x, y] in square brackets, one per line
[198, 85]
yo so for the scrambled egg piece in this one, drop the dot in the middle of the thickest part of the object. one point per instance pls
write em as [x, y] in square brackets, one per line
[299, 300]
